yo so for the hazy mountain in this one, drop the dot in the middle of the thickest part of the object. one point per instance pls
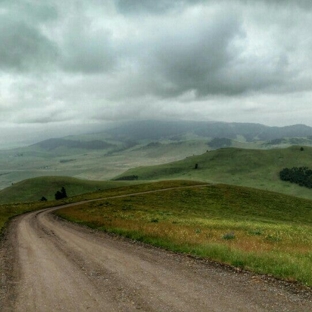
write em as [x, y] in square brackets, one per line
[156, 130]
[104, 155]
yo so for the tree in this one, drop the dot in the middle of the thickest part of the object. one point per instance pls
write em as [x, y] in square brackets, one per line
[43, 199]
[61, 194]
[196, 166]
[298, 175]
[63, 191]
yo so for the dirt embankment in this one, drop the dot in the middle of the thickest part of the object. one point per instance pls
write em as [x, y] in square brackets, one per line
[51, 265]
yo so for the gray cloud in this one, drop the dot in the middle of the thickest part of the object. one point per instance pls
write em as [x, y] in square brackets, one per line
[86, 50]
[138, 7]
[23, 47]
[194, 58]
[150, 6]
[89, 62]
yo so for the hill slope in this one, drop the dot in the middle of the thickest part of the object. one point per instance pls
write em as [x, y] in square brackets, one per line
[254, 168]
[104, 155]
[32, 190]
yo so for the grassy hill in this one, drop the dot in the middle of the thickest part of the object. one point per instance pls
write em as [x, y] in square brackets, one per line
[104, 155]
[97, 164]
[245, 167]
[32, 190]
[257, 230]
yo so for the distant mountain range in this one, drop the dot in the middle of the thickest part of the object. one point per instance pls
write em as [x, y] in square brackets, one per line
[173, 129]
[152, 130]
[107, 154]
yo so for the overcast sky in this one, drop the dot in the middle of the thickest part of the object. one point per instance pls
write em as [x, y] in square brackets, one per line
[68, 66]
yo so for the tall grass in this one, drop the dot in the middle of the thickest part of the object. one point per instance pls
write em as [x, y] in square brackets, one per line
[261, 231]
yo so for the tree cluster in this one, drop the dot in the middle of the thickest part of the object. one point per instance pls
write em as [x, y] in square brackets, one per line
[127, 178]
[61, 194]
[298, 175]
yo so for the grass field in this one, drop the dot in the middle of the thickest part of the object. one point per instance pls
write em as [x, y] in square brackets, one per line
[9, 211]
[32, 190]
[252, 229]
[109, 189]
[25, 163]
[235, 166]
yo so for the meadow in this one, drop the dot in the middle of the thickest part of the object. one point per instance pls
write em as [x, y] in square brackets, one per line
[247, 228]
[32, 190]
[236, 166]
[261, 231]
[77, 192]
[29, 162]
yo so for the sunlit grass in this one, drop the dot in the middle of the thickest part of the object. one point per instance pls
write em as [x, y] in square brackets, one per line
[261, 231]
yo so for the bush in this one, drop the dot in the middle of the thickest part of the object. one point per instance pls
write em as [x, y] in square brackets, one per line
[298, 175]
[61, 194]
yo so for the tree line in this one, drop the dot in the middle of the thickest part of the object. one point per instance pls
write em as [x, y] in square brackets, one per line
[298, 175]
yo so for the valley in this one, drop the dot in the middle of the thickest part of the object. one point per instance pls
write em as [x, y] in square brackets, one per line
[155, 202]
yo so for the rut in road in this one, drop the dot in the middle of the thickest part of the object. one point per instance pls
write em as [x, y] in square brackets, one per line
[59, 266]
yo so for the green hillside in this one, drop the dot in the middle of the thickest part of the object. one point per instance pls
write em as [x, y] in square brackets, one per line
[262, 231]
[33, 190]
[104, 155]
[245, 167]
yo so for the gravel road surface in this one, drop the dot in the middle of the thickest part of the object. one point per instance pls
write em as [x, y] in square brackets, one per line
[51, 265]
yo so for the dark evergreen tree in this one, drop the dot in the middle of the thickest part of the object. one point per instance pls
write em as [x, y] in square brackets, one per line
[298, 175]
[63, 191]
[61, 194]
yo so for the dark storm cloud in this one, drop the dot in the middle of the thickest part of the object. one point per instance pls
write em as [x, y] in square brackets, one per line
[194, 58]
[23, 46]
[80, 62]
[86, 50]
[135, 7]
[205, 54]
[150, 6]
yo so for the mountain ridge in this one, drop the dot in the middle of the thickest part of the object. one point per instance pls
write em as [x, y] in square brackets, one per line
[156, 130]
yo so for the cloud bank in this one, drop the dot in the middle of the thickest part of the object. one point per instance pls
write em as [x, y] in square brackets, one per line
[91, 62]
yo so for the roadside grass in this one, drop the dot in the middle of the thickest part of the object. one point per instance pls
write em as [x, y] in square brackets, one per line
[261, 231]
[8, 211]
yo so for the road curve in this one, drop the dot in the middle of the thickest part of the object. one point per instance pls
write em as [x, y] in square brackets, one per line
[52, 265]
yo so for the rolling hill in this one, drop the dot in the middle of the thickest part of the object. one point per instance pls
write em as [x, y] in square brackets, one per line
[104, 155]
[245, 167]
[32, 190]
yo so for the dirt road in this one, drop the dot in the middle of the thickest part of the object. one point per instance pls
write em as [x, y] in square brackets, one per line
[52, 265]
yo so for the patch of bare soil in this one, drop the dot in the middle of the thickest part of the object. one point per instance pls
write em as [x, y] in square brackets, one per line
[52, 265]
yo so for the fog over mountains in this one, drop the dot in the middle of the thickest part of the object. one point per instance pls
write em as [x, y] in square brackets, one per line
[108, 153]
[160, 129]
[179, 131]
